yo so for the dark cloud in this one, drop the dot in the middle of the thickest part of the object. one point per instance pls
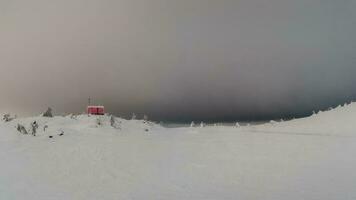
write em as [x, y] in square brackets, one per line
[178, 59]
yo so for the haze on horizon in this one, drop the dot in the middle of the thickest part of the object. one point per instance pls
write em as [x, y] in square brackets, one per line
[178, 59]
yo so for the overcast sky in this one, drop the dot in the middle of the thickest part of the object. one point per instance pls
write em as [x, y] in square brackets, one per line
[178, 59]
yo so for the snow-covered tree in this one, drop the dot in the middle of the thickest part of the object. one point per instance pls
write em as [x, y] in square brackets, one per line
[72, 116]
[48, 113]
[34, 127]
[202, 124]
[133, 116]
[21, 129]
[7, 117]
[99, 122]
[192, 124]
[145, 117]
[237, 124]
[114, 123]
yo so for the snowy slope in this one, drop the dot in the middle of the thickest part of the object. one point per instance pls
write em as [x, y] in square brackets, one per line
[311, 158]
[339, 121]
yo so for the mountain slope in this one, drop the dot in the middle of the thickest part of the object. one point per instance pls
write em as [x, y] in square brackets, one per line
[299, 159]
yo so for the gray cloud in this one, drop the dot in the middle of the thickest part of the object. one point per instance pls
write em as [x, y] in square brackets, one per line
[178, 59]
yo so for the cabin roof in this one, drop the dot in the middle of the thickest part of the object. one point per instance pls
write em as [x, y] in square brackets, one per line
[95, 106]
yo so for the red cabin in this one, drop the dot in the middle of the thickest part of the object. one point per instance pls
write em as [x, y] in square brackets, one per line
[95, 110]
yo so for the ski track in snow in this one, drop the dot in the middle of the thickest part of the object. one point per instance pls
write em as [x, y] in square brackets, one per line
[311, 158]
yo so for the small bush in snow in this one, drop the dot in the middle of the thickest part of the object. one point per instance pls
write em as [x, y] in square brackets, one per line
[202, 124]
[99, 122]
[112, 120]
[7, 118]
[48, 113]
[45, 127]
[133, 116]
[20, 128]
[145, 117]
[72, 116]
[192, 124]
[114, 123]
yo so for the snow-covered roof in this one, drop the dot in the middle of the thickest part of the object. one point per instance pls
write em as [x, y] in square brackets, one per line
[95, 106]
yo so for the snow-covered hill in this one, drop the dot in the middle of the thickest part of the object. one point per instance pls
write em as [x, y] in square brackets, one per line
[340, 121]
[311, 158]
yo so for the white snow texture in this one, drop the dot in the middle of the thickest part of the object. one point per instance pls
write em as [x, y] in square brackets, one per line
[311, 158]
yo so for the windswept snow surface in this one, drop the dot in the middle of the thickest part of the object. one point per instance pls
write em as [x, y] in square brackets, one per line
[311, 158]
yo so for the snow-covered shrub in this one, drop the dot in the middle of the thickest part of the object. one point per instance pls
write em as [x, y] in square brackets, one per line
[99, 122]
[237, 124]
[133, 116]
[272, 122]
[145, 117]
[7, 117]
[114, 123]
[202, 124]
[20, 128]
[48, 113]
[34, 127]
[72, 116]
[192, 124]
